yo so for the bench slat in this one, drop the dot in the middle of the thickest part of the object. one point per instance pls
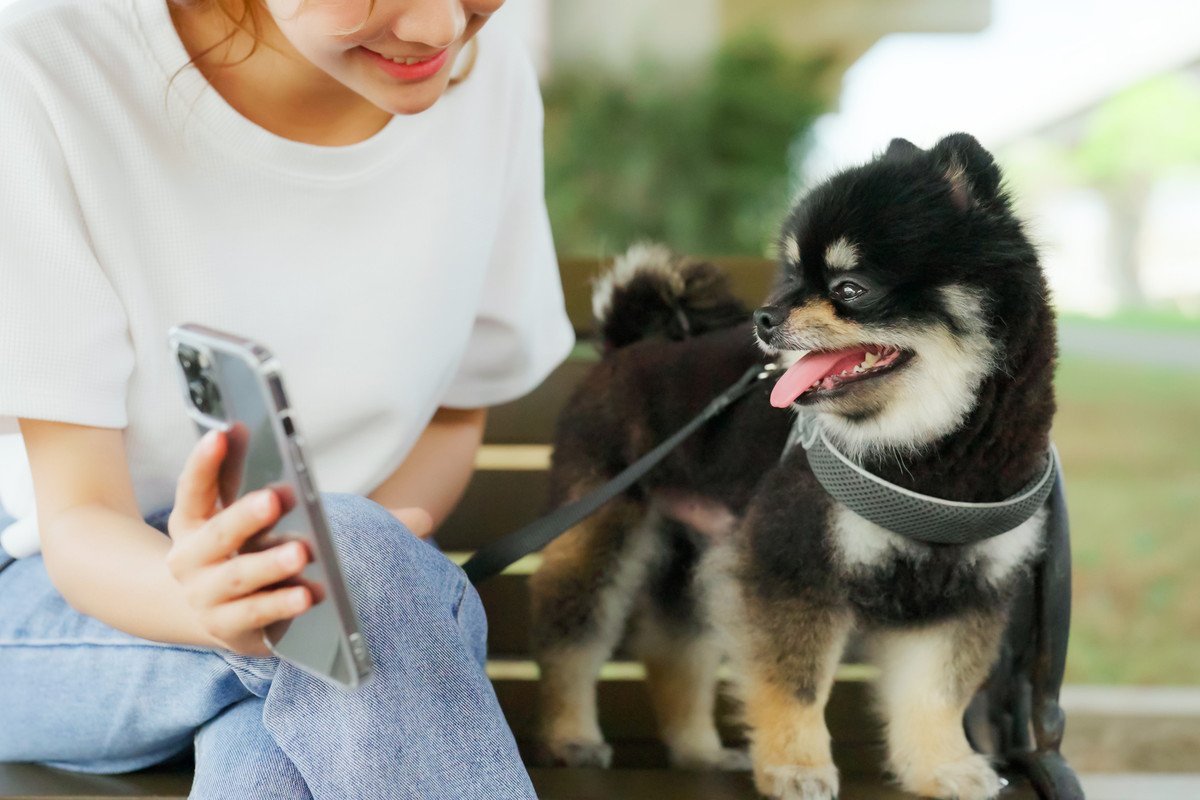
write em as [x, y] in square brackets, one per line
[29, 781]
[637, 784]
[496, 502]
[626, 713]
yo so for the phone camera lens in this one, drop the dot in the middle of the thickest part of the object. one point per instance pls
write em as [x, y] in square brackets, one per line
[201, 389]
[188, 359]
[198, 391]
[213, 397]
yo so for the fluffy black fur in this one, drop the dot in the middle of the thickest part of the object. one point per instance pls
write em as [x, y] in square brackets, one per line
[942, 259]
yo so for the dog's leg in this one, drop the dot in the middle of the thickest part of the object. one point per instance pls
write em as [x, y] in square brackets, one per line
[929, 675]
[681, 674]
[678, 644]
[582, 595]
[792, 649]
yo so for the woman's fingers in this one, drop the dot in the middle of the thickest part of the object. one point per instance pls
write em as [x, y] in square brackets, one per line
[221, 536]
[247, 573]
[417, 520]
[196, 489]
[233, 620]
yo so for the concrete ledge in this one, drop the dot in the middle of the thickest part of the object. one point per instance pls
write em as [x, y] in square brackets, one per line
[1136, 787]
[1124, 729]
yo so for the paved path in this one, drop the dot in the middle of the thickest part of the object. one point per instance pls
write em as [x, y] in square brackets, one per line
[1141, 787]
[1175, 349]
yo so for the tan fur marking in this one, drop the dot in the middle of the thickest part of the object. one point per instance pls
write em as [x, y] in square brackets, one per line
[567, 696]
[791, 648]
[934, 737]
[815, 322]
[581, 597]
[784, 656]
[928, 677]
[575, 549]
[841, 255]
[681, 677]
[786, 730]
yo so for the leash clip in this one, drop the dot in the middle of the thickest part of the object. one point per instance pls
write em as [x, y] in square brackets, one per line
[804, 432]
[766, 371]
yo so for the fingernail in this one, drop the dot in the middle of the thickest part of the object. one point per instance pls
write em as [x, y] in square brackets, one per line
[290, 556]
[299, 598]
[209, 440]
[266, 502]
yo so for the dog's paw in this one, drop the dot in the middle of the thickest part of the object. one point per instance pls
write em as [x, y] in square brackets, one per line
[793, 782]
[967, 778]
[568, 753]
[727, 759]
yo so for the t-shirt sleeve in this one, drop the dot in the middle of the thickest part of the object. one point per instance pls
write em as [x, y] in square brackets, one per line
[521, 330]
[65, 352]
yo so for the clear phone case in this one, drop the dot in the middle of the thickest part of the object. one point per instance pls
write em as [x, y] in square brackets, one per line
[234, 385]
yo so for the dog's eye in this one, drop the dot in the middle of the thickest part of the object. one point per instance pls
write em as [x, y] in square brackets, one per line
[847, 290]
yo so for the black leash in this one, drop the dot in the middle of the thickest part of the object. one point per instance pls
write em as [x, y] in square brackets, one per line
[492, 559]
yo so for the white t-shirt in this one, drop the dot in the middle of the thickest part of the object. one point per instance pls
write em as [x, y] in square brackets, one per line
[390, 277]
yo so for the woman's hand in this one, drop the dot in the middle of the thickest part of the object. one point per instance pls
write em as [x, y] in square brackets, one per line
[225, 588]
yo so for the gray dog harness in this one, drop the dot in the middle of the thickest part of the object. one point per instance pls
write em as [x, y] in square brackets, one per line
[931, 520]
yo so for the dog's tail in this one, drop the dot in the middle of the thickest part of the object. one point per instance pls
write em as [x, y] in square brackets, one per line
[652, 292]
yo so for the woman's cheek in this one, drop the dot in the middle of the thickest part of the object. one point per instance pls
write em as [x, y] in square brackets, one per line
[322, 17]
[284, 9]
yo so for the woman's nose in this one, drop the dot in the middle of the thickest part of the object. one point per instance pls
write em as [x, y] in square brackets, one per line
[433, 23]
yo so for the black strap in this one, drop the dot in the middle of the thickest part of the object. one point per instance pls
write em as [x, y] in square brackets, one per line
[492, 559]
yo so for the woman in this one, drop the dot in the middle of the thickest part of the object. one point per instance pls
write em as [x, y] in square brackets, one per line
[358, 185]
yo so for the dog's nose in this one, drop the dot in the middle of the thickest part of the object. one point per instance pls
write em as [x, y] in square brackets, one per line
[768, 318]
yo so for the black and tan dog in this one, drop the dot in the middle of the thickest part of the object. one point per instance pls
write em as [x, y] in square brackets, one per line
[912, 314]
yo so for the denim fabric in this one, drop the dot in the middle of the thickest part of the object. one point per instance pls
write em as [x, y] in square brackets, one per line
[5, 521]
[80, 695]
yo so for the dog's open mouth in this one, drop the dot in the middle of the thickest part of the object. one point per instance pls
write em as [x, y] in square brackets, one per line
[820, 373]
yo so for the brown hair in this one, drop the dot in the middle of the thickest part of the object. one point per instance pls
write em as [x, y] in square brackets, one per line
[246, 16]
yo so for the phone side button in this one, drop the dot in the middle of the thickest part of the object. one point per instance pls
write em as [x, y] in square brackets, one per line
[361, 656]
[301, 469]
[306, 484]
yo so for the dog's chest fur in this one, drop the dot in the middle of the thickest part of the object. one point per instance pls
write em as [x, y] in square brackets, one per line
[796, 539]
[890, 578]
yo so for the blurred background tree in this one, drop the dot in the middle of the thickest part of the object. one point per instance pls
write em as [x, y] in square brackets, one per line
[1130, 142]
[1119, 151]
[696, 157]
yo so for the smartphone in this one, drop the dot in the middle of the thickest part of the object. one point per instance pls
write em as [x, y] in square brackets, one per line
[233, 384]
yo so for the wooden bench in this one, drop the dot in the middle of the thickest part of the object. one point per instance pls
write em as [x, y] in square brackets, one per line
[509, 490]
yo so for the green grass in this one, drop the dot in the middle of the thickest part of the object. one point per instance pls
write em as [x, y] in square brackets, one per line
[1160, 321]
[1130, 443]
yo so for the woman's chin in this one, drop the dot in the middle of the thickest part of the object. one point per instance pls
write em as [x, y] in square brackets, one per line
[408, 100]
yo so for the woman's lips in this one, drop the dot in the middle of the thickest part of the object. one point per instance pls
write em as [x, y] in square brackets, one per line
[409, 72]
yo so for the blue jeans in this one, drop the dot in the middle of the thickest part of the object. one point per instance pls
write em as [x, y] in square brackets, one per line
[79, 695]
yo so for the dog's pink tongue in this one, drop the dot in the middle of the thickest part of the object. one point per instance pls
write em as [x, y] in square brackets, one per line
[808, 370]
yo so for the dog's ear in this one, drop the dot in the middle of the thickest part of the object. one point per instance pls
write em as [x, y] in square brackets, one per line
[901, 149]
[971, 171]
